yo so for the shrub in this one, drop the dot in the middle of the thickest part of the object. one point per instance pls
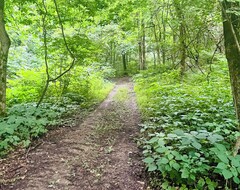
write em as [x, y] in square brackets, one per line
[189, 130]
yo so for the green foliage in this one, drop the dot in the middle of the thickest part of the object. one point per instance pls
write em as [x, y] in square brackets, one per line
[26, 122]
[25, 87]
[85, 86]
[189, 129]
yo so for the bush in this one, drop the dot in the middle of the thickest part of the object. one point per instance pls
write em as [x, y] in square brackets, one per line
[189, 130]
[24, 123]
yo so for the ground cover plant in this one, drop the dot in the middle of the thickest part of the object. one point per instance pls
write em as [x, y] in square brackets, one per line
[25, 121]
[189, 130]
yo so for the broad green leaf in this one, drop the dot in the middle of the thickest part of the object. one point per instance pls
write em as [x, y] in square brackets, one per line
[235, 161]
[170, 156]
[152, 167]
[179, 132]
[221, 147]
[161, 150]
[227, 174]
[196, 145]
[148, 160]
[153, 140]
[201, 135]
[177, 155]
[236, 180]
[223, 157]
[161, 142]
[163, 160]
[234, 171]
[165, 185]
[172, 136]
[222, 166]
[176, 166]
[185, 173]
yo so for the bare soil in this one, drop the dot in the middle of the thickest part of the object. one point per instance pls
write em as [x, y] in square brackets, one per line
[98, 154]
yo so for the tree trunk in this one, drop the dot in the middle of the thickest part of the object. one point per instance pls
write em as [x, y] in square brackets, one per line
[141, 42]
[183, 49]
[143, 66]
[158, 59]
[232, 49]
[182, 36]
[124, 61]
[4, 48]
[164, 35]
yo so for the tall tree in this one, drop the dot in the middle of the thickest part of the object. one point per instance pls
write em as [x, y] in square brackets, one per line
[182, 35]
[4, 48]
[231, 26]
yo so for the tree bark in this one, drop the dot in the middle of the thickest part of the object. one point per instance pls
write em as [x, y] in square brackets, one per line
[143, 66]
[4, 48]
[183, 49]
[158, 59]
[124, 61]
[232, 50]
[141, 42]
[182, 36]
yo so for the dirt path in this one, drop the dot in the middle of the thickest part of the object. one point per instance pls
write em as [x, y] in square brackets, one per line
[99, 154]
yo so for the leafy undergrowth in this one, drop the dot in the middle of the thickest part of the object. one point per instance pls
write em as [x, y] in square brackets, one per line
[189, 130]
[25, 122]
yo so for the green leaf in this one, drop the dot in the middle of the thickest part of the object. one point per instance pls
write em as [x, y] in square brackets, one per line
[176, 166]
[26, 143]
[202, 136]
[153, 140]
[234, 171]
[9, 130]
[235, 161]
[196, 145]
[193, 177]
[238, 169]
[152, 167]
[186, 141]
[223, 157]
[172, 136]
[161, 150]
[201, 183]
[177, 155]
[148, 160]
[211, 184]
[221, 166]
[170, 156]
[165, 185]
[227, 174]
[161, 142]
[236, 180]
[185, 173]
[163, 160]
[179, 132]
[221, 147]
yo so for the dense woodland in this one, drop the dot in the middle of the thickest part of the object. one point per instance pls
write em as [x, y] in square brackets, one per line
[57, 57]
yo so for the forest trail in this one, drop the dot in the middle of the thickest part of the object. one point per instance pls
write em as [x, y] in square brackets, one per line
[98, 154]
